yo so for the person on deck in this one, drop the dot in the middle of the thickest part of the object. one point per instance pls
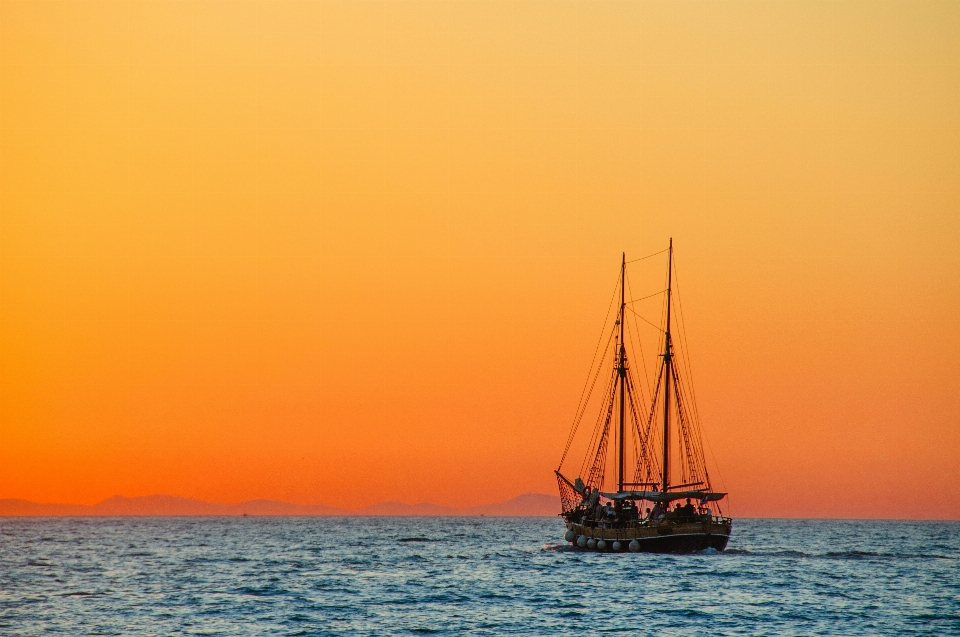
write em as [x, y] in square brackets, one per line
[658, 512]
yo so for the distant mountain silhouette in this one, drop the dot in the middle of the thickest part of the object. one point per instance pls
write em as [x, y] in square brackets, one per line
[172, 505]
[528, 504]
[27, 508]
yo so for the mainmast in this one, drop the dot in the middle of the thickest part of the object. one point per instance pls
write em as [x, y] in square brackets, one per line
[622, 369]
[665, 481]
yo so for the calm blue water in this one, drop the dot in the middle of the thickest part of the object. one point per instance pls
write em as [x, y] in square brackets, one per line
[474, 576]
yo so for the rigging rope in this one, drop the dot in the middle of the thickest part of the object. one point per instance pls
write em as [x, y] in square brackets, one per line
[598, 470]
[638, 347]
[582, 404]
[705, 442]
[583, 407]
[598, 427]
[632, 311]
[648, 256]
[643, 298]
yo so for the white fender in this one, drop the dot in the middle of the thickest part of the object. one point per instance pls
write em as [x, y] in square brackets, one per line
[570, 536]
[591, 543]
[634, 546]
[582, 541]
[617, 546]
[602, 545]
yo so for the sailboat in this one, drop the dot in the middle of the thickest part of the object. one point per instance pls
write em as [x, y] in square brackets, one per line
[667, 505]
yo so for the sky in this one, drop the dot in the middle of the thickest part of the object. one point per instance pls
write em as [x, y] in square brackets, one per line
[347, 252]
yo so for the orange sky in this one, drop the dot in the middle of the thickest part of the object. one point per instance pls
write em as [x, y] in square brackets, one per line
[345, 252]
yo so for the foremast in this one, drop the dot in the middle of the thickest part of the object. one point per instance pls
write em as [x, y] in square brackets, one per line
[667, 362]
[622, 370]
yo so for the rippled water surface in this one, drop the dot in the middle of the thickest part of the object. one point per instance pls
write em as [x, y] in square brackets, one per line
[480, 576]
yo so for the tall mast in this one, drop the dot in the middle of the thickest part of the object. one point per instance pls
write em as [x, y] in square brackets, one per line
[665, 482]
[623, 369]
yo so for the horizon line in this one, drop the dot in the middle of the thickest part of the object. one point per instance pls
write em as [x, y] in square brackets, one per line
[530, 504]
[165, 505]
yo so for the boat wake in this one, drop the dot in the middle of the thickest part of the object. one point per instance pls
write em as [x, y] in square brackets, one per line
[838, 555]
[559, 548]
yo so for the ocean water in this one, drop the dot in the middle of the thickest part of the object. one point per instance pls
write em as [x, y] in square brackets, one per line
[468, 576]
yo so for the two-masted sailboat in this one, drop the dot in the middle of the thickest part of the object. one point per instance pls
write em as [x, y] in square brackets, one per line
[667, 505]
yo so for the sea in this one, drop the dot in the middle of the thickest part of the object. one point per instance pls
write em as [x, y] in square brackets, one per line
[468, 576]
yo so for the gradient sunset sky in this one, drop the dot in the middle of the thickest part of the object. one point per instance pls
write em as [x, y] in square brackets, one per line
[346, 252]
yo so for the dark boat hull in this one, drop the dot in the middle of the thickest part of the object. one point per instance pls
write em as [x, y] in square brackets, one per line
[683, 543]
[656, 538]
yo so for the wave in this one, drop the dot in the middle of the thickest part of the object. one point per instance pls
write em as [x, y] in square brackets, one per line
[784, 553]
[928, 617]
[267, 590]
[849, 555]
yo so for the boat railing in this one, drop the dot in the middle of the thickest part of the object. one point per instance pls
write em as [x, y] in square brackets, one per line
[633, 524]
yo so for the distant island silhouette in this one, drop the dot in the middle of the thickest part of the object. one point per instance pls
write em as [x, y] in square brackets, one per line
[526, 505]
